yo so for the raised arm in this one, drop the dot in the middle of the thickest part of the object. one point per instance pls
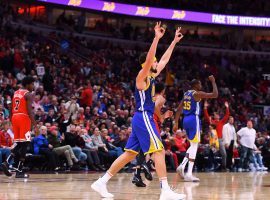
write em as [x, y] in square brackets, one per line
[204, 95]
[227, 114]
[205, 111]
[140, 80]
[167, 55]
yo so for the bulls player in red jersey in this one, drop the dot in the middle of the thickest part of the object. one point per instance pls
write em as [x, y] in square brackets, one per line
[22, 122]
[159, 103]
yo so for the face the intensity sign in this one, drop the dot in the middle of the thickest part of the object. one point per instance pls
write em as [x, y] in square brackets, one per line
[169, 14]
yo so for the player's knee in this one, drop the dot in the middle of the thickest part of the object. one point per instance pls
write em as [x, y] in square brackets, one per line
[193, 150]
[130, 155]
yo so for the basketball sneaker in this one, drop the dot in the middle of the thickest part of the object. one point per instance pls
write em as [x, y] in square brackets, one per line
[147, 172]
[101, 188]
[191, 178]
[6, 169]
[138, 181]
[21, 175]
[181, 171]
[170, 195]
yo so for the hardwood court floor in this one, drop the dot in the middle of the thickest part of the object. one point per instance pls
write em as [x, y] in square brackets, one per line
[213, 186]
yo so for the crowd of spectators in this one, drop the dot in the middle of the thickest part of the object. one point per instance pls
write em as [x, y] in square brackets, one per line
[242, 7]
[143, 33]
[84, 108]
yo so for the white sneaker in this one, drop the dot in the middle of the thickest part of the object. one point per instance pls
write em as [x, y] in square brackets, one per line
[264, 168]
[171, 195]
[191, 178]
[101, 188]
[258, 168]
[181, 171]
[240, 169]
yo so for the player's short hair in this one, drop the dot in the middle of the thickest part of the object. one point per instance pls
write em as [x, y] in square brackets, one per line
[142, 58]
[194, 82]
[159, 87]
[27, 80]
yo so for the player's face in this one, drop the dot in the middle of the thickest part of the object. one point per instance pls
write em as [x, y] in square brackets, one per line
[30, 87]
[154, 67]
[199, 85]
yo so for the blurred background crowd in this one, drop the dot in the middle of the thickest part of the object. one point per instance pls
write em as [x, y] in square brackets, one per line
[84, 103]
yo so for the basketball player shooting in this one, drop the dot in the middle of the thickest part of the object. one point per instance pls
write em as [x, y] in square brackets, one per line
[22, 119]
[144, 134]
[190, 105]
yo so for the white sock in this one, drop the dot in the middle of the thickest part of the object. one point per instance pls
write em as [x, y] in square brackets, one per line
[190, 167]
[106, 177]
[164, 183]
[184, 162]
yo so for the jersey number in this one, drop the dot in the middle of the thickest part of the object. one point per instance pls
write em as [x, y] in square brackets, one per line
[17, 104]
[187, 105]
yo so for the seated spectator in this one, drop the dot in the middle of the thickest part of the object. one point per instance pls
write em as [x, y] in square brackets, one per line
[72, 139]
[58, 147]
[92, 151]
[51, 117]
[180, 145]
[5, 141]
[122, 140]
[170, 156]
[102, 147]
[113, 150]
[42, 147]
[257, 161]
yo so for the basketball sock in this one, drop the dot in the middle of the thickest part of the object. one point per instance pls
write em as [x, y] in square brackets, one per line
[184, 162]
[138, 172]
[106, 177]
[190, 168]
[164, 183]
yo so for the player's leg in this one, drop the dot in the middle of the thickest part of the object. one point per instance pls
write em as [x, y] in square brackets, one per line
[137, 179]
[20, 152]
[132, 149]
[20, 159]
[194, 138]
[151, 143]
[188, 127]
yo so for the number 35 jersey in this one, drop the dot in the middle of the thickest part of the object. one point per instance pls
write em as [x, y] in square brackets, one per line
[190, 105]
[19, 105]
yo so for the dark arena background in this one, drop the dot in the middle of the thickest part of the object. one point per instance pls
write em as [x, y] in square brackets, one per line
[83, 57]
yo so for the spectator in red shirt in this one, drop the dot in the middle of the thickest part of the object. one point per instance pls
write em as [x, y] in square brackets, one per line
[86, 98]
[219, 123]
[181, 144]
[5, 141]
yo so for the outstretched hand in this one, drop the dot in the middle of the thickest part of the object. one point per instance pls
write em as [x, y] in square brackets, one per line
[211, 78]
[178, 35]
[168, 114]
[159, 31]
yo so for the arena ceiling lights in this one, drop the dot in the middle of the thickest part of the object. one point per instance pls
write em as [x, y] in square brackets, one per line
[168, 14]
